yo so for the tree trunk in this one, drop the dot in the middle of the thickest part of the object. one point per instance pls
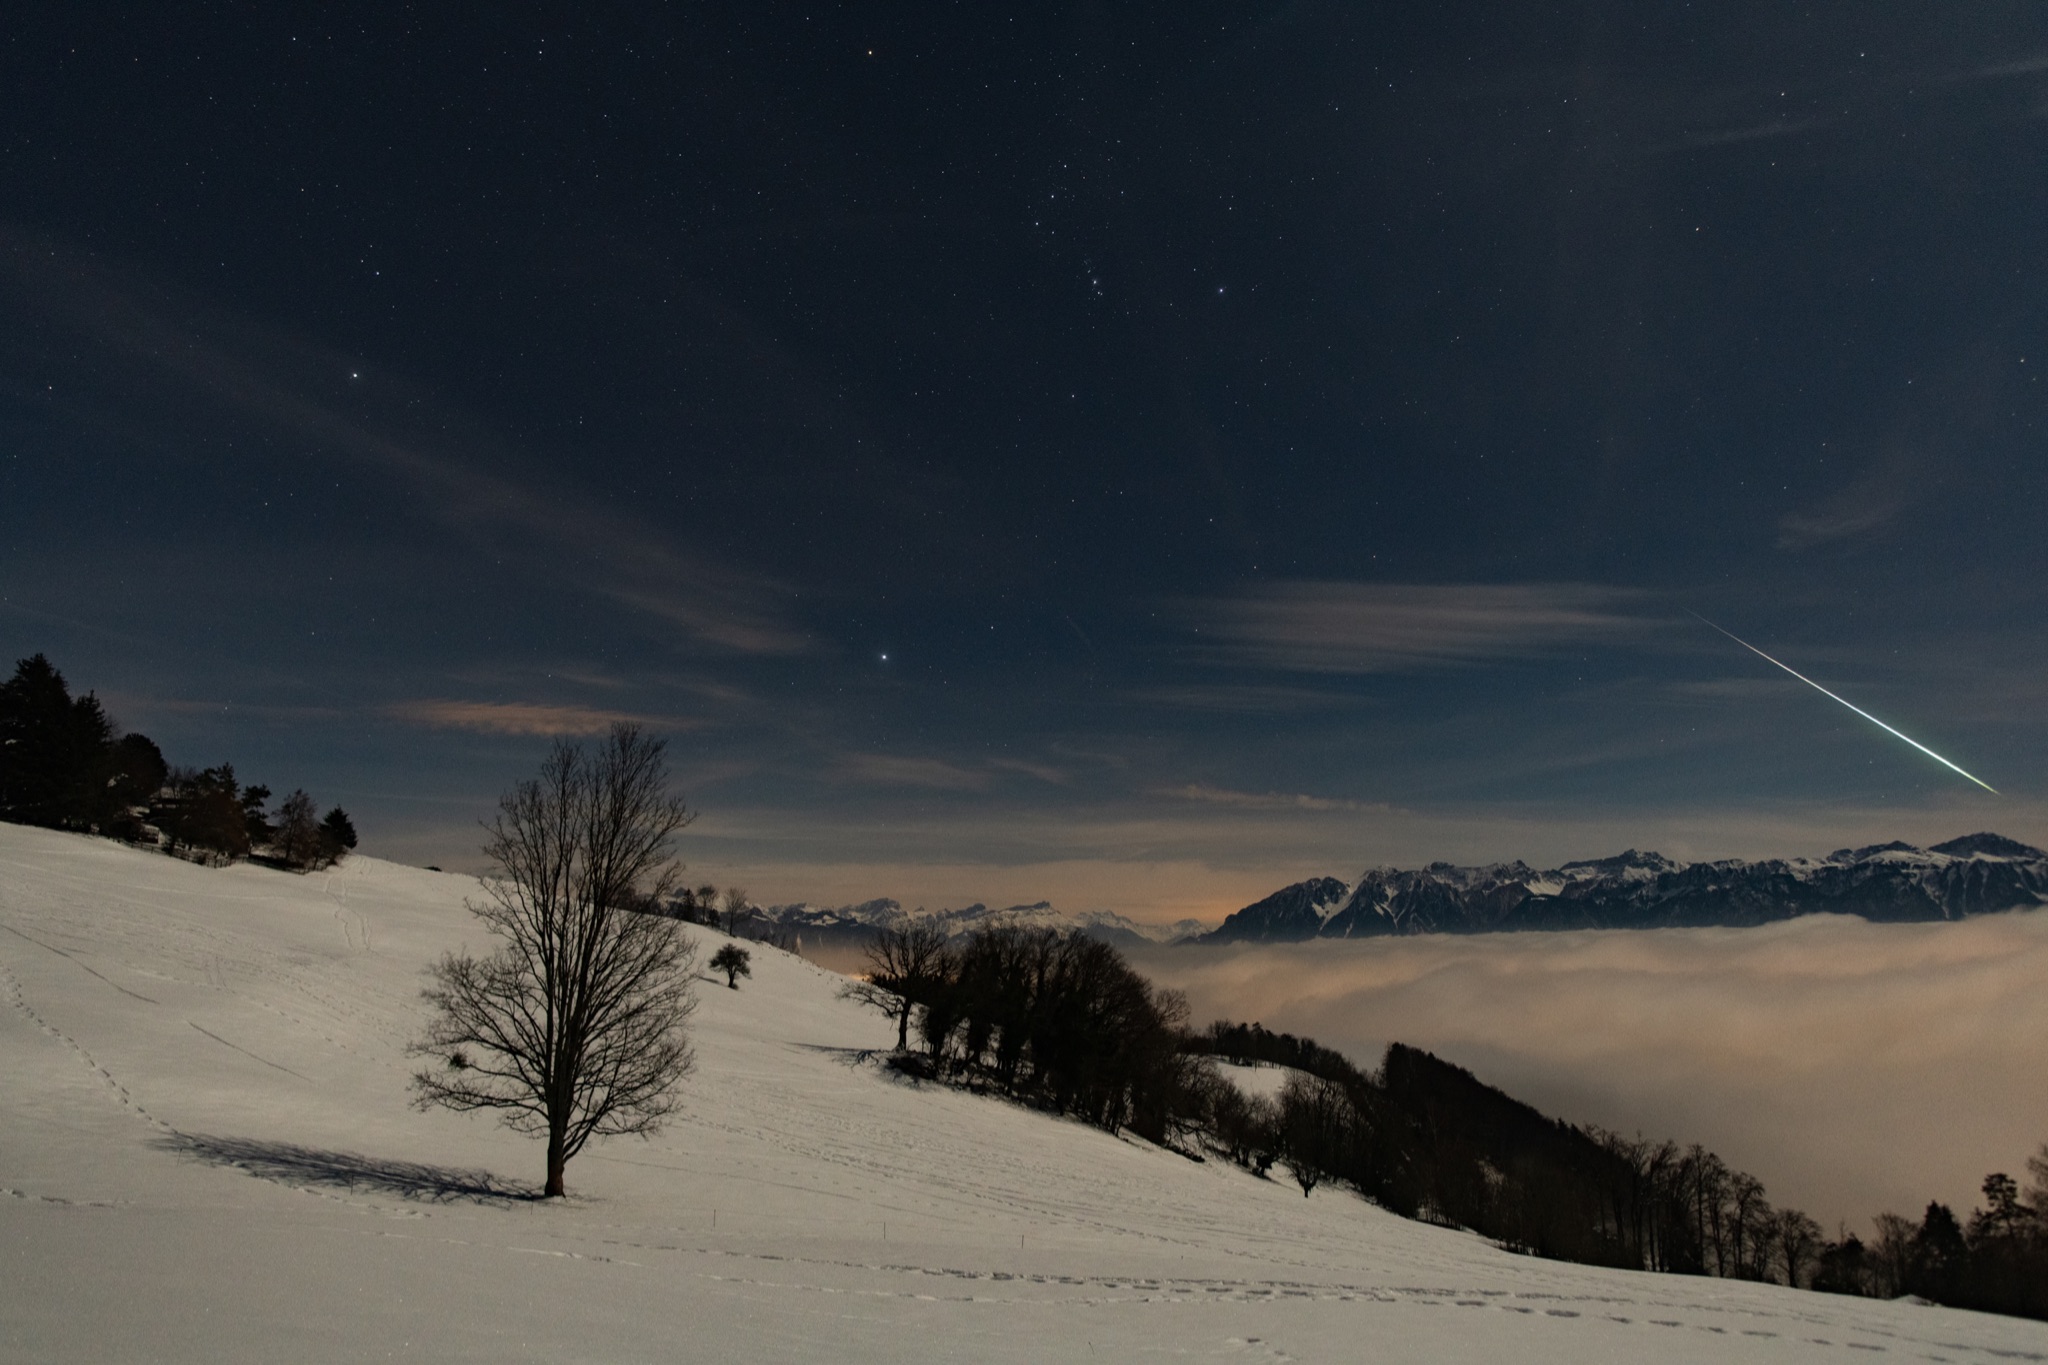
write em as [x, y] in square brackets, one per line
[556, 1162]
[903, 1028]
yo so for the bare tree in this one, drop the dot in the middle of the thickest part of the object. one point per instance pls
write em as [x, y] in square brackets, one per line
[2037, 1184]
[904, 963]
[573, 1028]
[1313, 1117]
[297, 838]
[736, 908]
[1892, 1255]
[1750, 1226]
[1798, 1240]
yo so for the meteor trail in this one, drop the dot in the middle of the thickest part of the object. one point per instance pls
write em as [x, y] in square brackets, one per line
[1851, 705]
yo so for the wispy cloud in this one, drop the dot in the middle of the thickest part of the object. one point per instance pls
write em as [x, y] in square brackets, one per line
[896, 770]
[1323, 627]
[1757, 132]
[1044, 772]
[1731, 689]
[458, 470]
[1243, 699]
[1283, 801]
[123, 703]
[2019, 66]
[519, 718]
[1869, 503]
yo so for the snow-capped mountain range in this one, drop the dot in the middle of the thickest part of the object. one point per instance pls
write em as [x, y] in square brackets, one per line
[853, 925]
[1974, 875]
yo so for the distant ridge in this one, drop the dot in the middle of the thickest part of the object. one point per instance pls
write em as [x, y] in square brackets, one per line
[1896, 882]
[855, 925]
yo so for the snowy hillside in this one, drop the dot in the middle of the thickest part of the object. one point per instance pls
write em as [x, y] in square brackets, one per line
[206, 1155]
[1257, 1080]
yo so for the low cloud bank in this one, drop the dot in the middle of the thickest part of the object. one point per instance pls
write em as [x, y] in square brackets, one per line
[1853, 1067]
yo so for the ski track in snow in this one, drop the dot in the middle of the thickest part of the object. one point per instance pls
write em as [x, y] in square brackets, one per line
[795, 1139]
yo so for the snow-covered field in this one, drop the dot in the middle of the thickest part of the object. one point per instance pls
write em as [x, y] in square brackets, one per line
[206, 1154]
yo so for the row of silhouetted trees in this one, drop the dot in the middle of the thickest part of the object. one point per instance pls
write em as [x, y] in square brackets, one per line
[65, 764]
[729, 911]
[1996, 1261]
[1429, 1140]
[1052, 1019]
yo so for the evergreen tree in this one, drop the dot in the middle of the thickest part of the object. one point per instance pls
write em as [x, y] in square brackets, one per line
[206, 812]
[136, 771]
[337, 833]
[1940, 1256]
[1845, 1267]
[255, 816]
[53, 749]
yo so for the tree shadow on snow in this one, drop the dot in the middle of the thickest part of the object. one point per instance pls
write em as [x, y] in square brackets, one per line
[290, 1164]
[851, 1056]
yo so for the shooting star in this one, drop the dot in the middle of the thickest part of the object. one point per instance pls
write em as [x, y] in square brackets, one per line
[1851, 705]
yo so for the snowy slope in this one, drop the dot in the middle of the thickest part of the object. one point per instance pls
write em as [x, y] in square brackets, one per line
[1256, 1080]
[207, 1155]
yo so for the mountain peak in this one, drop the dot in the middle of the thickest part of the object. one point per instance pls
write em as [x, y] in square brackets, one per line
[1989, 846]
[1293, 912]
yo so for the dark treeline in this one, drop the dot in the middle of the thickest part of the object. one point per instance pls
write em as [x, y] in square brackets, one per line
[1063, 1022]
[1257, 1043]
[1056, 1020]
[65, 764]
[728, 911]
[1429, 1140]
[1996, 1262]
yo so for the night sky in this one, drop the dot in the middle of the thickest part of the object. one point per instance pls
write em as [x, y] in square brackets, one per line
[1136, 456]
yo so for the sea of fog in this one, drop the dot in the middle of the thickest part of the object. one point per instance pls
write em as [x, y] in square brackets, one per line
[1852, 1067]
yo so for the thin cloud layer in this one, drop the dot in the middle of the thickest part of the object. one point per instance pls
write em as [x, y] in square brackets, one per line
[1248, 700]
[1321, 627]
[2023, 66]
[896, 770]
[516, 718]
[447, 460]
[1869, 503]
[1282, 801]
[1758, 132]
